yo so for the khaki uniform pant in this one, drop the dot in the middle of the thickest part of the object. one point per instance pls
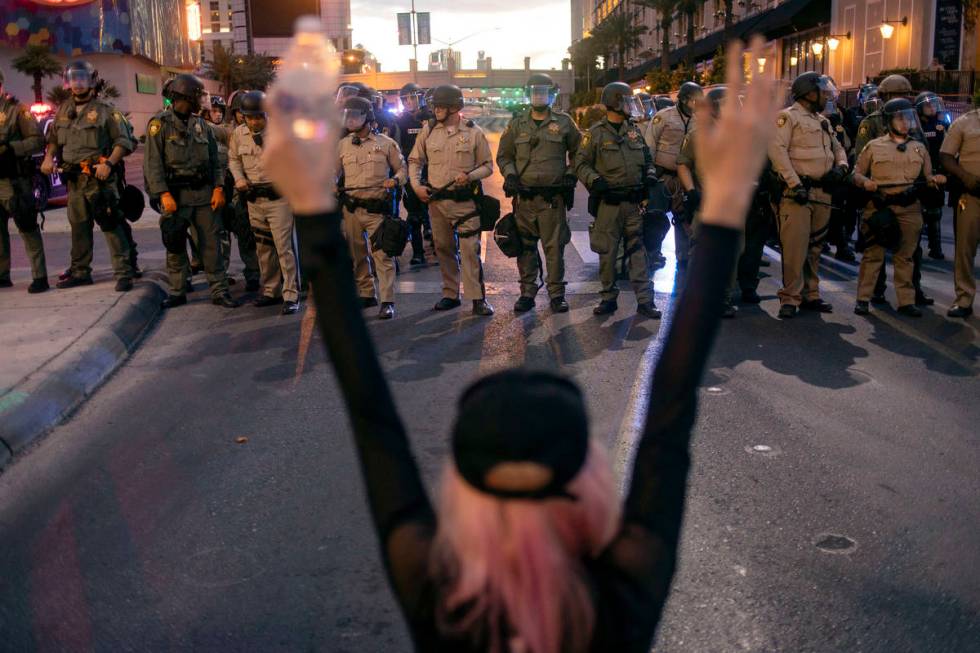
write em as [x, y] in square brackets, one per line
[612, 224]
[544, 220]
[80, 195]
[33, 244]
[910, 222]
[966, 239]
[272, 224]
[206, 227]
[358, 226]
[444, 214]
[802, 230]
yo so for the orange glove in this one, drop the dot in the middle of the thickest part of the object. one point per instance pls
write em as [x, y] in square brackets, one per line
[168, 203]
[217, 199]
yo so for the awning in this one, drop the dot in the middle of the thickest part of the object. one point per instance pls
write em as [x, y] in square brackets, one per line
[789, 17]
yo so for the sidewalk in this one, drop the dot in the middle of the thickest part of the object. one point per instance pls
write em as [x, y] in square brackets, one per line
[59, 346]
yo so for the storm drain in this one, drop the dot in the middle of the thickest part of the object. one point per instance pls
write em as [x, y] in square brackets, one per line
[835, 543]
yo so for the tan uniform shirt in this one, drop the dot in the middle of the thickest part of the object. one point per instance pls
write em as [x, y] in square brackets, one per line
[963, 141]
[804, 145]
[882, 162]
[95, 131]
[450, 151]
[18, 129]
[369, 164]
[245, 157]
[665, 135]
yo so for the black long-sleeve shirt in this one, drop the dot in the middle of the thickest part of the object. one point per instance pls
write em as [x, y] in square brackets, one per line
[631, 579]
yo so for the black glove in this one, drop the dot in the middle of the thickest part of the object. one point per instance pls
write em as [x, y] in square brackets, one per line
[692, 201]
[835, 175]
[8, 161]
[599, 186]
[512, 185]
[800, 195]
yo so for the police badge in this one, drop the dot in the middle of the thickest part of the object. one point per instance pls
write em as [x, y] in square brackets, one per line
[92, 116]
[554, 128]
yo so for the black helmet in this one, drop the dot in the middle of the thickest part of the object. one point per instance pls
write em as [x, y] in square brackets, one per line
[360, 110]
[364, 91]
[80, 69]
[615, 96]
[900, 108]
[132, 203]
[929, 100]
[412, 96]
[447, 95]
[689, 92]
[218, 102]
[253, 104]
[662, 102]
[187, 87]
[409, 88]
[540, 91]
[715, 97]
[804, 84]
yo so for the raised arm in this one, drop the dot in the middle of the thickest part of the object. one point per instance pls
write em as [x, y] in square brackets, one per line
[730, 152]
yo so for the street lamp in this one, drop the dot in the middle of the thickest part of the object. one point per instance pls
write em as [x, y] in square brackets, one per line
[762, 64]
[887, 27]
[817, 47]
[793, 60]
[833, 41]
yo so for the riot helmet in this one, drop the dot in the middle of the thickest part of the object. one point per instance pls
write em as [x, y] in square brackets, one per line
[80, 77]
[618, 97]
[345, 91]
[540, 91]
[894, 86]
[358, 112]
[688, 97]
[189, 88]
[412, 97]
[812, 82]
[872, 103]
[646, 103]
[929, 105]
[448, 97]
[715, 97]
[901, 117]
[253, 104]
[662, 102]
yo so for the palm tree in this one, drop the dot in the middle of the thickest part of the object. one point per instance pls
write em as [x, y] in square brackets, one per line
[222, 68]
[584, 54]
[253, 71]
[57, 95]
[666, 10]
[689, 8]
[37, 62]
[619, 33]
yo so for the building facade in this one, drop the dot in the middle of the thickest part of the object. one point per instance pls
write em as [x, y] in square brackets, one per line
[134, 44]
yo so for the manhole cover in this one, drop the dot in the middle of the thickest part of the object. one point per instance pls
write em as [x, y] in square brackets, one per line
[835, 543]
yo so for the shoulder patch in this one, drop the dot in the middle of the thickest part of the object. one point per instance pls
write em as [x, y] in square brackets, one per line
[155, 125]
[586, 138]
[840, 129]
[940, 127]
[781, 120]
[863, 131]
[657, 119]
[117, 116]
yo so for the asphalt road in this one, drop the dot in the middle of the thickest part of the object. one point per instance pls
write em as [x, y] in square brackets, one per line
[833, 504]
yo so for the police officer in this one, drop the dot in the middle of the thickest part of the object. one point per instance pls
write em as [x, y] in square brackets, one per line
[843, 217]
[415, 113]
[873, 126]
[933, 119]
[664, 137]
[535, 155]
[458, 156]
[386, 124]
[269, 214]
[234, 216]
[90, 138]
[372, 168]
[867, 103]
[20, 137]
[687, 176]
[960, 156]
[891, 165]
[615, 165]
[809, 160]
[182, 174]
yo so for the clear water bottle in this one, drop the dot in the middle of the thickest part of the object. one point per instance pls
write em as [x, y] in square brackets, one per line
[303, 93]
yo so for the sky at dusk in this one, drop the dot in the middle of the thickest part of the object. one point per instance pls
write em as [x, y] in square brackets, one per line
[514, 29]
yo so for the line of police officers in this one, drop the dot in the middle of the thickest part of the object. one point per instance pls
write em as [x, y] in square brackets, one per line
[638, 170]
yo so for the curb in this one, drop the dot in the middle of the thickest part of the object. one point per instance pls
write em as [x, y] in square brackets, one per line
[59, 387]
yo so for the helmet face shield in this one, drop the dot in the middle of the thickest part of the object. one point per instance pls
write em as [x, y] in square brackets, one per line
[345, 92]
[354, 119]
[904, 122]
[649, 108]
[828, 92]
[540, 95]
[872, 104]
[932, 106]
[632, 107]
[78, 79]
[413, 101]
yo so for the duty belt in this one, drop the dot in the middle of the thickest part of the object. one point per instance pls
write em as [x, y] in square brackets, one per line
[547, 193]
[631, 196]
[662, 171]
[257, 191]
[188, 182]
[382, 206]
[810, 182]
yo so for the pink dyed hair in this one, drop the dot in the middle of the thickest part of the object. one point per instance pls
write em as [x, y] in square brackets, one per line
[510, 571]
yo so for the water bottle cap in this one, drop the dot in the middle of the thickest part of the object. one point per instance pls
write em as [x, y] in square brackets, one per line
[308, 24]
